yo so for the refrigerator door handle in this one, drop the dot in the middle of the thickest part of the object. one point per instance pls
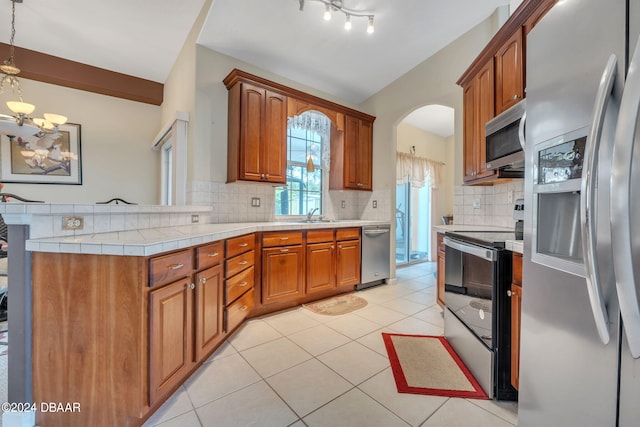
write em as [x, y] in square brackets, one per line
[521, 130]
[620, 205]
[588, 200]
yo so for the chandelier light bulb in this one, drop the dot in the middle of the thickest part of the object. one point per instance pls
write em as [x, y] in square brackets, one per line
[370, 25]
[347, 23]
[327, 13]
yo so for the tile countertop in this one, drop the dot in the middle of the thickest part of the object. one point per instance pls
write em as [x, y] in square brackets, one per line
[153, 241]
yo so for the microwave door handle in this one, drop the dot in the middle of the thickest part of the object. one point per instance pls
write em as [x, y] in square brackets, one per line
[588, 201]
[621, 179]
[486, 254]
[521, 130]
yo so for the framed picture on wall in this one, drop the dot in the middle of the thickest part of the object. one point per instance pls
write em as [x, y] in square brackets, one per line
[49, 159]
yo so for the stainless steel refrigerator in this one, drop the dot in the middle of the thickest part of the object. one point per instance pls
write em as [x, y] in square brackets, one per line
[580, 318]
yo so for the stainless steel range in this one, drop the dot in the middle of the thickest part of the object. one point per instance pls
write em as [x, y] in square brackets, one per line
[477, 308]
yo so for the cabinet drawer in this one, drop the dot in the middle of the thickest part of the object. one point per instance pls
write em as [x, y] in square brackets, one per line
[238, 311]
[167, 268]
[319, 236]
[239, 263]
[285, 238]
[241, 244]
[347, 233]
[517, 269]
[209, 255]
[238, 284]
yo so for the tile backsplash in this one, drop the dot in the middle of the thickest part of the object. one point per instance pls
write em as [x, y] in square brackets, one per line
[232, 202]
[487, 205]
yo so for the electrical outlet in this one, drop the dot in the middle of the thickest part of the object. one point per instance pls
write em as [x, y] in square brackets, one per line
[195, 218]
[375, 204]
[72, 222]
[255, 202]
[476, 203]
[343, 204]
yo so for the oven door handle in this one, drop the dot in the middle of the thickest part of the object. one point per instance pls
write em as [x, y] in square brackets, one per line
[480, 252]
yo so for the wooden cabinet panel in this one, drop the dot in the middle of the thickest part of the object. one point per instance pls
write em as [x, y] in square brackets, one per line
[171, 337]
[239, 263]
[321, 270]
[516, 317]
[167, 268]
[239, 284]
[348, 233]
[209, 255]
[282, 273]
[440, 271]
[348, 263]
[478, 109]
[286, 238]
[209, 310]
[239, 310]
[238, 245]
[257, 137]
[352, 156]
[319, 236]
[509, 73]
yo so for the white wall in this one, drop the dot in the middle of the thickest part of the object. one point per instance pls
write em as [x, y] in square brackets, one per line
[116, 136]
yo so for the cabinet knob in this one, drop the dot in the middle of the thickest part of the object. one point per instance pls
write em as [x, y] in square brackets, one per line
[516, 96]
[509, 293]
[203, 280]
[192, 286]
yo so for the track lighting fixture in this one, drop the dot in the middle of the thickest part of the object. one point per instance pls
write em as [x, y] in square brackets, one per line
[338, 6]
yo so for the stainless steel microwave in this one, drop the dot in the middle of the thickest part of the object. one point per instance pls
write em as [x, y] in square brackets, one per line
[505, 139]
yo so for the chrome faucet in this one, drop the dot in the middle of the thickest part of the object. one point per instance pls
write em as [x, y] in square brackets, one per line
[310, 214]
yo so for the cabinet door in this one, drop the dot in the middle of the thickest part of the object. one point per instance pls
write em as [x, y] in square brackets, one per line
[171, 336]
[252, 119]
[516, 304]
[209, 310]
[358, 154]
[484, 92]
[441, 264]
[348, 263]
[321, 270]
[469, 131]
[509, 73]
[282, 274]
[274, 144]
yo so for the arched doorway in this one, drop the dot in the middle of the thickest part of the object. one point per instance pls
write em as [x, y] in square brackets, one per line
[424, 145]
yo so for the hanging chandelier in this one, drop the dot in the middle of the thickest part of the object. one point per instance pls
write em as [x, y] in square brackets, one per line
[21, 124]
[338, 6]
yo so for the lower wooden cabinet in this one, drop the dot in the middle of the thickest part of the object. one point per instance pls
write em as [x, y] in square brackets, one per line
[209, 310]
[516, 316]
[282, 273]
[348, 262]
[171, 336]
[440, 271]
[321, 266]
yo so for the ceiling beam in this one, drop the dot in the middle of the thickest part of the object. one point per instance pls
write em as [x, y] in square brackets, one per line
[62, 72]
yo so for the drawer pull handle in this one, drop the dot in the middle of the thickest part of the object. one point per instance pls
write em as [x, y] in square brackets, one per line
[203, 280]
[176, 266]
[243, 262]
[509, 293]
[242, 245]
[244, 308]
[192, 286]
[213, 254]
[243, 284]
[284, 250]
[284, 238]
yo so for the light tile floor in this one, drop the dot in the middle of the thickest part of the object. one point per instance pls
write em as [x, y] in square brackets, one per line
[296, 368]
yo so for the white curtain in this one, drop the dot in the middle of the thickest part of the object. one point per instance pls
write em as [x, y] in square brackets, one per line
[418, 170]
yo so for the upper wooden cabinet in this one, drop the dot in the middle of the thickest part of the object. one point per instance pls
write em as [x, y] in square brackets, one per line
[257, 133]
[257, 140]
[495, 81]
[352, 157]
[509, 73]
[478, 108]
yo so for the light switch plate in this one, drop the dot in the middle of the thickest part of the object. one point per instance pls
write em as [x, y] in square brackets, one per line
[476, 203]
[195, 218]
[375, 204]
[72, 222]
[343, 204]
[255, 202]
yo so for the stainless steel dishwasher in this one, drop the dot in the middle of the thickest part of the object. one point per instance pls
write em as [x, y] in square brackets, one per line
[376, 251]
